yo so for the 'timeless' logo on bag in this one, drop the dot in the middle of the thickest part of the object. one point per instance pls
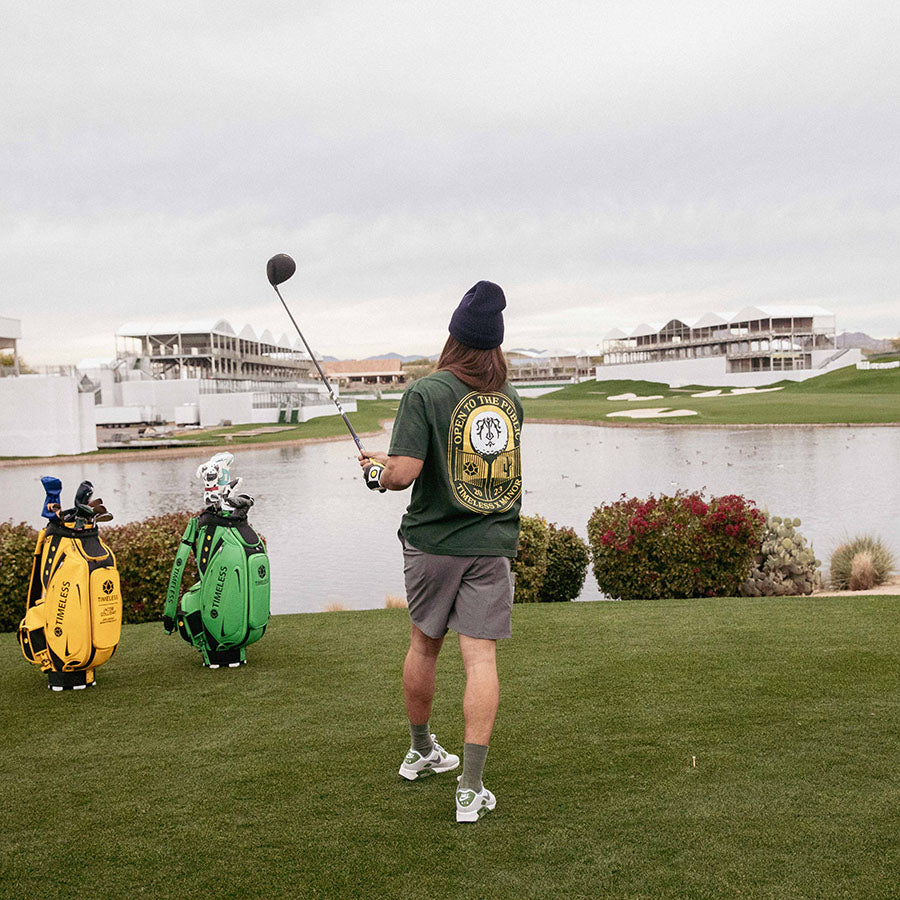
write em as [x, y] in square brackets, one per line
[107, 587]
[217, 594]
[261, 571]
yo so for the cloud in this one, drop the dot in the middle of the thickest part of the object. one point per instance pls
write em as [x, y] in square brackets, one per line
[605, 163]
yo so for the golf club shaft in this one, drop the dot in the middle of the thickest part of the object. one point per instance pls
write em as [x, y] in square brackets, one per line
[327, 384]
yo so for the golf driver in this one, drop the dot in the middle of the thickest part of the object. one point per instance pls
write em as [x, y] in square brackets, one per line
[278, 269]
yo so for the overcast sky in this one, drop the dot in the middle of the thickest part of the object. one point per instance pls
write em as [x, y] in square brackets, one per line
[607, 163]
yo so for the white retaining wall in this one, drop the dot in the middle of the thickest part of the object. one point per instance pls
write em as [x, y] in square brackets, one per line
[218, 408]
[325, 409]
[238, 409]
[163, 396]
[43, 415]
[711, 371]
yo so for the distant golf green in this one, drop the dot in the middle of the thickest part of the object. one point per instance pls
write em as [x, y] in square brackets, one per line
[368, 418]
[845, 396]
[696, 748]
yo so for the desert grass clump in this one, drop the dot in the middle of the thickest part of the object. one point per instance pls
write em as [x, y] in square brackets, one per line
[874, 562]
[392, 601]
[862, 572]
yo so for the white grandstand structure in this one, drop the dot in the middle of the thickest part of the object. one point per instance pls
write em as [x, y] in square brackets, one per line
[757, 342]
[211, 349]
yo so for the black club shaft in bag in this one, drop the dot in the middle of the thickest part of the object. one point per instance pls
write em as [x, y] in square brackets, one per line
[278, 269]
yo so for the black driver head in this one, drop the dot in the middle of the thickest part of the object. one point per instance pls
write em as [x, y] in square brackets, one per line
[279, 268]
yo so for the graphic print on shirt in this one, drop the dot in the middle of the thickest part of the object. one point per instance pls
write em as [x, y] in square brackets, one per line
[484, 460]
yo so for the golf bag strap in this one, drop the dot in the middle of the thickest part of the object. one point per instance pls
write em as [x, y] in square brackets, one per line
[33, 640]
[35, 588]
[173, 592]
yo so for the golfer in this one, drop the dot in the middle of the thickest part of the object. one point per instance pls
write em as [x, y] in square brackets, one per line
[456, 439]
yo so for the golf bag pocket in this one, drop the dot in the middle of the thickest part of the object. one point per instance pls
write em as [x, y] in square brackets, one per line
[258, 579]
[31, 638]
[68, 612]
[106, 608]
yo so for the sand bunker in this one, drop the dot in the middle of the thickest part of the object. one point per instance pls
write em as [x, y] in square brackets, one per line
[735, 391]
[754, 390]
[631, 397]
[662, 413]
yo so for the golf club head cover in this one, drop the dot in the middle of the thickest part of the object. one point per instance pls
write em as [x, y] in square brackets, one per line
[214, 475]
[84, 493]
[372, 475]
[232, 499]
[53, 487]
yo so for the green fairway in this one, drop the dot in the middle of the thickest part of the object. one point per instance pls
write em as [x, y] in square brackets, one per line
[367, 418]
[280, 779]
[846, 396]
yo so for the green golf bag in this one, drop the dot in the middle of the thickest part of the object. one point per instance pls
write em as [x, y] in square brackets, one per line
[228, 608]
[73, 616]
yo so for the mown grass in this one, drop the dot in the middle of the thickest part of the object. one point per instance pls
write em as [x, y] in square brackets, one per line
[367, 418]
[844, 396]
[279, 779]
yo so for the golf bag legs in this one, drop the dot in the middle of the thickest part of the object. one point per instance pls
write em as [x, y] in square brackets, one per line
[71, 681]
[218, 659]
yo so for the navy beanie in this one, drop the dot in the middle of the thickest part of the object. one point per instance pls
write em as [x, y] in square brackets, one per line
[478, 320]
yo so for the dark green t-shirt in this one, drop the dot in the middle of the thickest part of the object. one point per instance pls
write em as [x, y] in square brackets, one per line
[467, 498]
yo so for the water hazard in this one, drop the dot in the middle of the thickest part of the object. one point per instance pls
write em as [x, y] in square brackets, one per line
[333, 542]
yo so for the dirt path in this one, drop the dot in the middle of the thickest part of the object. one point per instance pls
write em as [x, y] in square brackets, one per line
[891, 586]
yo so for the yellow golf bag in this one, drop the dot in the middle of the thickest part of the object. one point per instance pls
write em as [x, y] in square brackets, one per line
[73, 618]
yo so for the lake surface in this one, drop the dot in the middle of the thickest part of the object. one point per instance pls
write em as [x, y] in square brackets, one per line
[332, 541]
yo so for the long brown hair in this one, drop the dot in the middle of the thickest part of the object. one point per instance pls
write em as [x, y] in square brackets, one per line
[484, 370]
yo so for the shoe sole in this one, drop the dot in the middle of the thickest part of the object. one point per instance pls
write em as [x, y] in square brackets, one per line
[415, 774]
[475, 814]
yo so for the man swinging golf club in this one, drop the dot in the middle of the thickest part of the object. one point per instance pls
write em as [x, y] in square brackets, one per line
[456, 439]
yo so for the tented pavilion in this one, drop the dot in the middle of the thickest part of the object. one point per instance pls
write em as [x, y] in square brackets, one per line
[754, 339]
[211, 350]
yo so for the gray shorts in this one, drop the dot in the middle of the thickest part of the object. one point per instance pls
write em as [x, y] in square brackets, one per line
[473, 595]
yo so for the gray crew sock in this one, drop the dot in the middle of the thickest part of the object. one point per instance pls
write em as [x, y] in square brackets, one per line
[420, 738]
[474, 756]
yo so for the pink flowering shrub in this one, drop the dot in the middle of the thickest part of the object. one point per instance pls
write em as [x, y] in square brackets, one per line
[679, 546]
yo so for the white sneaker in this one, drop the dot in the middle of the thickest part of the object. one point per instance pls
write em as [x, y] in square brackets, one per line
[417, 766]
[472, 805]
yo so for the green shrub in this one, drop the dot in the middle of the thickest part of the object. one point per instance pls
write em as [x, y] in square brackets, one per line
[784, 565]
[530, 564]
[16, 553]
[145, 552]
[882, 561]
[679, 546]
[567, 562]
